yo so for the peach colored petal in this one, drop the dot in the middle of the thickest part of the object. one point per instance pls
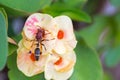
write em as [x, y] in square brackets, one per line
[64, 66]
[68, 61]
[64, 23]
[51, 73]
[48, 43]
[68, 42]
[28, 44]
[63, 46]
[20, 46]
[72, 43]
[60, 47]
[46, 47]
[60, 71]
[26, 64]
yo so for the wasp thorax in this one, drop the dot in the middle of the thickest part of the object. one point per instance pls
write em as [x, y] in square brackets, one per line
[40, 34]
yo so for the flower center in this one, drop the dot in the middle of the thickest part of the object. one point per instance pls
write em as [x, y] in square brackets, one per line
[58, 61]
[32, 57]
[60, 34]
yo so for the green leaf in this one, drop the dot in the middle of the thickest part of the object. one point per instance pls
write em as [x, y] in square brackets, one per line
[5, 15]
[88, 65]
[75, 2]
[117, 28]
[112, 56]
[115, 2]
[92, 34]
[107, 76]
[24, 6]
[75, 14]
[15, 74]
[17, 38]
[3, 40]
[93, 6]
[12, 48]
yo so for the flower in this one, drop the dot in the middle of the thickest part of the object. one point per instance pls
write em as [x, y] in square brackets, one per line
[54, 37]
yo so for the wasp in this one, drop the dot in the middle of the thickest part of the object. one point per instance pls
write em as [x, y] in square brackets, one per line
[39, 39]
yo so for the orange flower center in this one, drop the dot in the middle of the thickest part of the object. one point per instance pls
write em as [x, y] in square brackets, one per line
[58, 61]
[32, 57]
[60, 34]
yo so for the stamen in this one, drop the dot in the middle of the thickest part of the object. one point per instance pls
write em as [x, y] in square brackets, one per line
[32, 57]
[58, 61]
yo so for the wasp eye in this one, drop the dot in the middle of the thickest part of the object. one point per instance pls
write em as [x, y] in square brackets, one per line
[60, 34]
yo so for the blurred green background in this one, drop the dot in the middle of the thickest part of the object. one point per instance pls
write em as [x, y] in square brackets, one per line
[97, 29]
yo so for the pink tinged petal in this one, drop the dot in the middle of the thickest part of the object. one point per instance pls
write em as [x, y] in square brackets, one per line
[34, 19]
[34, 22]
[31, 21]
[32, 30]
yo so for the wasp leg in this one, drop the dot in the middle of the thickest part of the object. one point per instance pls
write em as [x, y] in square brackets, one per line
[44, 46]
[37, 44]
[47, 39]
[47, 32]
[29, 40]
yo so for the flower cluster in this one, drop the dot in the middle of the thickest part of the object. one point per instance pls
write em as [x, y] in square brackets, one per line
[54, 40]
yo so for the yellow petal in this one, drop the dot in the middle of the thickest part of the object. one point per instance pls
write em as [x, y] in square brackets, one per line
[20, 46]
